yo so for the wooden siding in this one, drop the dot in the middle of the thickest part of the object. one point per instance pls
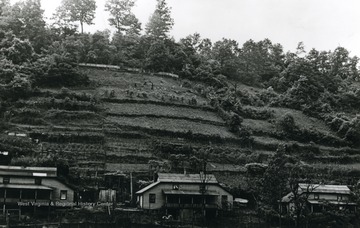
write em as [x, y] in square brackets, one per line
[160, 196]
[52, 183]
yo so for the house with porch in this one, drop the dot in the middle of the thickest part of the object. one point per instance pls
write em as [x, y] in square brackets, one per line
[185, 196]
[320, 197]
[30, 187]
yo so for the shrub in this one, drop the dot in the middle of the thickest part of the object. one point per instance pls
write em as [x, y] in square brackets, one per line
[235, 122]
[193, 101]
[287, 123]
[252, 113]
[353, 132]
[112, 93]
[56, 70]
[186, 84]
[256, 168]
[268, 96]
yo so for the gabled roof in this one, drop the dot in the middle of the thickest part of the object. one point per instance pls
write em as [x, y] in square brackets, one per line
[182, 179]
[318, 188]
[186, 178]
[147, 188]
[28, 171]
[322, 188]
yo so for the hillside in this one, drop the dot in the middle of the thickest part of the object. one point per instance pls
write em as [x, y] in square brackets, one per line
[141, 123]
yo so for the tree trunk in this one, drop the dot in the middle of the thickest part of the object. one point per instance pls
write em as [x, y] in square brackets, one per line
[82, 27]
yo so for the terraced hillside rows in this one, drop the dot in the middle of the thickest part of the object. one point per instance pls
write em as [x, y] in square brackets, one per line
[143, 123]
[141, 110]
[116, 124]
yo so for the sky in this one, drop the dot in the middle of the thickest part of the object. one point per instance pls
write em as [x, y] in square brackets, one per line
[320, 24]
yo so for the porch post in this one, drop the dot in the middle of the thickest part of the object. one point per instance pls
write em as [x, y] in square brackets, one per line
[166, 204]
[4, 208]
[35, 202]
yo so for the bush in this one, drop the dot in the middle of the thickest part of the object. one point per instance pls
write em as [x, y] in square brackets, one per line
[268, 96]
[256, 168]
[353, 132]
[235, 122]
[252, 113]
[193, 101]
[186, 84]
[55, 71]
[287, 123]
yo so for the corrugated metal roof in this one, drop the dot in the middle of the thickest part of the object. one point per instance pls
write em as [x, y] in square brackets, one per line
[181, 179]
[24, 186]
[186, 178]
[182, 192]
[322, 188]
[27, 171]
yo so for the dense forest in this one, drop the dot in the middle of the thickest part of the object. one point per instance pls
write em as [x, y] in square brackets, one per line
[320, 84]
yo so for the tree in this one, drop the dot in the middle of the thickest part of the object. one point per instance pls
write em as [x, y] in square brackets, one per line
[157, 57]
[300, 194]
[260, 61]
[160, 22]
[101, 48]
[121, 16]
[14, 49]
[19, 87]
[25, 20]
[274, 181]
[353, 134]
[61, 28]
[7, 71]
[78, 10]
[226, 52]
[4, 5]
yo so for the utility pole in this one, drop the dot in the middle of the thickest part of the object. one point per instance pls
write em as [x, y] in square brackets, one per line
[203, 191]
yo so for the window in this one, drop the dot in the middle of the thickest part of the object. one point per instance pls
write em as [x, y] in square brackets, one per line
[202, 188]
[339, 198]
[6, 180]
[43, 194]
[38, 181]
[152, 198]
[316, 196]
[175, 187]
[63, 194]
[28, 194]
[13, 193]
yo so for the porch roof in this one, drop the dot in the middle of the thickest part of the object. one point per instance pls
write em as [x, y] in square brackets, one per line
[320, 202]
[25, 186]
[189, 192]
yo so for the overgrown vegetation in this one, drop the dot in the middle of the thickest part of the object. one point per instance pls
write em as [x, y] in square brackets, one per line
[213, 103]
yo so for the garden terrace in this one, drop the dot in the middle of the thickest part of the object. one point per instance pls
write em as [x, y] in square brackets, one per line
[113, 126]
[172, 125]
[163, 111]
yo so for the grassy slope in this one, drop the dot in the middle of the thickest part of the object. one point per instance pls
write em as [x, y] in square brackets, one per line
[138, 107]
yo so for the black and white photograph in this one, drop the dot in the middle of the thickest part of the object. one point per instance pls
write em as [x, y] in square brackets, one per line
[179, 114]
